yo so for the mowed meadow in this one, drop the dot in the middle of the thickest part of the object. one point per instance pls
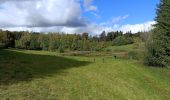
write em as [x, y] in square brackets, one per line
[43, 75]
[84, 50]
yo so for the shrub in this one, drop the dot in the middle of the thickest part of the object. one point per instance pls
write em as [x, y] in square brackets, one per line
[108, 50]
[155, 56]
[122, 40]
[2, 45]
[61, 50]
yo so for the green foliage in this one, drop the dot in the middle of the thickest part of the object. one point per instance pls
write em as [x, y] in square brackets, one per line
[44, 41]
[103, 36]
[85, 45]
[24, 41]
[61, 50]
[155, 55]
[7, 39]
[68, 42]
[53, 46]
[34, 43]
[2, 45]
[122, 40]
[158, 47]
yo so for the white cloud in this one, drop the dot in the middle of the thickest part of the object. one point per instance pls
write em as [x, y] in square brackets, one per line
[59, 16]
[134, 28]
[119, 18]
[40, 13]
[93, 29]
[146, 26]
[88, 5]
[115, 20]
[96, 15]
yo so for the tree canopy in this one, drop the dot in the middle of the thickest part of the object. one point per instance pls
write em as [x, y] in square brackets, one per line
[158, 47]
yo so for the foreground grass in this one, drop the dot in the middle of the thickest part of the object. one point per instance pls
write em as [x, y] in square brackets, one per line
[37, 75]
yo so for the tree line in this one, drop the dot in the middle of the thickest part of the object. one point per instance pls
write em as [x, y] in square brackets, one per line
[63, 42]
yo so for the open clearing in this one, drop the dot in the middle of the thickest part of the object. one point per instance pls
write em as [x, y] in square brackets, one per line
[41, 75]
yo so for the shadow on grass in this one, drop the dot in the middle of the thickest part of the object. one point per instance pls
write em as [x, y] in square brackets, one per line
[17, 66]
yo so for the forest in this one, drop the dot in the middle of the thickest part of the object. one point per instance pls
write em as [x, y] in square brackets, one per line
[65, 42]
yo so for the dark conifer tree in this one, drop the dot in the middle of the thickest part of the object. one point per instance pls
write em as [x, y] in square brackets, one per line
[158, 47]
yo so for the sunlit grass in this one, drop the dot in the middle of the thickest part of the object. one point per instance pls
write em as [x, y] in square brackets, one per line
[41, 75]
[124, 48]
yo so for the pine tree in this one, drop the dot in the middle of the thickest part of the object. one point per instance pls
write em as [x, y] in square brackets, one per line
[158, 49]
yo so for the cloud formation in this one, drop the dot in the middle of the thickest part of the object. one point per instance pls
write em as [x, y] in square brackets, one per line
[59, 16]
[115, 20]
[93, 29]
[40, 13]
[134, 28]
[88, 5]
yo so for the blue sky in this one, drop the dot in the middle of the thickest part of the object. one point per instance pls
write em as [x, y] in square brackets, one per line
[77, 16]
[138, 11]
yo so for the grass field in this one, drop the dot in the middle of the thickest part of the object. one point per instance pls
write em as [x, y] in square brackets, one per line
[124, 48]
[41, 75]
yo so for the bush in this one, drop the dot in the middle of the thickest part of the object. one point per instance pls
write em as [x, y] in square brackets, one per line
[2, 45]
[122, 40]
[108, 50]
[34, 45]
[53, 46]
[155, 56]
[61, 50]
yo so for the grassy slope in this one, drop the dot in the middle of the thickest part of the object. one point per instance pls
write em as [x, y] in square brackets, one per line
[124, 48]
[41, 75]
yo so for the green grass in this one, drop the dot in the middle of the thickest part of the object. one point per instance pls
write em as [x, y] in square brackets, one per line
[124, 48]
[40, 75]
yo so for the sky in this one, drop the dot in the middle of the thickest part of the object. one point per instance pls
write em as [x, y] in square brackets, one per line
[77, 16]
